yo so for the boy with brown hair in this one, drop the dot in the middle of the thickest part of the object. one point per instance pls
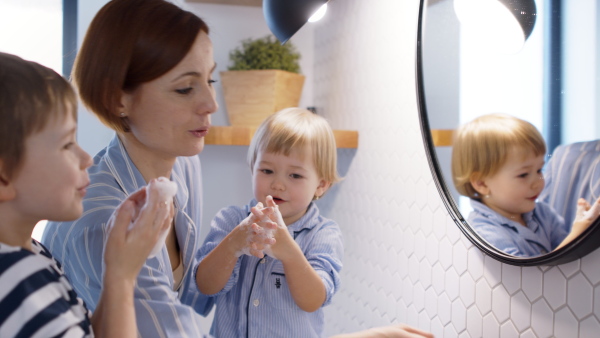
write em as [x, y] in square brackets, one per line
[43, 176]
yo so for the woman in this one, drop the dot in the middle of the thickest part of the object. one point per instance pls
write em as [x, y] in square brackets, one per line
[144, 69]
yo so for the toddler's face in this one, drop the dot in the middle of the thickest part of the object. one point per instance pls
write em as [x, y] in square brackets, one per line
[514, 189]
[52, 182]
[291, 180]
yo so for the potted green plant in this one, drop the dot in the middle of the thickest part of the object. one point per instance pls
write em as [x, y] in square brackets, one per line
[264, 77]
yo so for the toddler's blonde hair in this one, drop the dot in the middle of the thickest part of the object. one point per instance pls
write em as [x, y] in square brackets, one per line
[481, 147]
[294, 128]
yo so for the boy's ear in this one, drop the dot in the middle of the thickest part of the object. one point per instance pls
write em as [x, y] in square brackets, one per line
[7, 189]
[478, 183]
[322, 188]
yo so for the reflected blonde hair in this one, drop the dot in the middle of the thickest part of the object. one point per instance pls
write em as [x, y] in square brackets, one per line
[481, 147]
[292, 129]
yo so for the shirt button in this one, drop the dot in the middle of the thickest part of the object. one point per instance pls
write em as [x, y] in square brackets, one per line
[256, 302]
[262, 261]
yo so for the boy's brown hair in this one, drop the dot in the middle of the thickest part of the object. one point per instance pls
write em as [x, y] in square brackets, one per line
[30, 96]
[482, 146]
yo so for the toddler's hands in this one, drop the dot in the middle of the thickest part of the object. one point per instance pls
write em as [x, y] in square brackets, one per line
[257, 237]
[134, 229]
[282, 234]
[276, 215]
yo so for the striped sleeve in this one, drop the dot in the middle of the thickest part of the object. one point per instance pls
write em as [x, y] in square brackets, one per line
[36, 298]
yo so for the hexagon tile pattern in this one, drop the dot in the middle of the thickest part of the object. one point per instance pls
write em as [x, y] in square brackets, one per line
[406, 261]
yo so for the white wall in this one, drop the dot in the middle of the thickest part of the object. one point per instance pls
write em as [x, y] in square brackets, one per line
[91, 135]
[406, 261]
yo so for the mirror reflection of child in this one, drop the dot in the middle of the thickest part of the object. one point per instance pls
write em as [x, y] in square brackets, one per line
[497, 162]
[293, 162]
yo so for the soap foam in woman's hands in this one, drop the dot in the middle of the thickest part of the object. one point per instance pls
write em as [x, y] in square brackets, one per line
[166, 190]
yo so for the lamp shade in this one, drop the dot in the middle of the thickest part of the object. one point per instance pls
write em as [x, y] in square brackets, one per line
[285, 17]
[500, 25]
[525, 13]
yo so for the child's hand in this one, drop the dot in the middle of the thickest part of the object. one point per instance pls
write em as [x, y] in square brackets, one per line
[586, 214]
[254, 238]
[128, 245]
[281, 233]
[276, 215]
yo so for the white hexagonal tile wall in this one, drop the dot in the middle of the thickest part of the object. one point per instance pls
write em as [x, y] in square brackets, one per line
[474, 322]
[531, 281]
[483, 296]
[444, 311]
[579, 301]
[555, 288]
[520, 311]
[589, 267]
[459, 315]
[565, 324]
[589, 328]
[542, 318]
[508, 330]
[491, 327]
[501, 303]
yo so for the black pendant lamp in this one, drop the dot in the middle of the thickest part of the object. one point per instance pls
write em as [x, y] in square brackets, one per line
[503, 25]
[286, 17]
[525, 13]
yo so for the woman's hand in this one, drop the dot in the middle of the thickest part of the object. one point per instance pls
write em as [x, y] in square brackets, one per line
[133, 230]
[586, 214]
[391, 331]
[135, 227]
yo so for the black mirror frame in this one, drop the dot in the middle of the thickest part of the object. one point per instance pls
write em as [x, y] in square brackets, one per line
[587, 242]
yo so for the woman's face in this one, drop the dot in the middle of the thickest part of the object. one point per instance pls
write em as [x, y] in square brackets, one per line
[170, 116]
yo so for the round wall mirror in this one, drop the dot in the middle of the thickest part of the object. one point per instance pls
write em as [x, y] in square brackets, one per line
[551, 81]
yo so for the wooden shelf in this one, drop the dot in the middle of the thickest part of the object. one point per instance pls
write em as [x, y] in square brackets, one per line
[442, 137]
[256, 3]
[241, 136]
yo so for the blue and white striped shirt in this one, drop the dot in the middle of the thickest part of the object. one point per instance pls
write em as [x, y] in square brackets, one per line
[256, 301]
[36, 299]
[160, 311]
[545, 230]
[572, 172]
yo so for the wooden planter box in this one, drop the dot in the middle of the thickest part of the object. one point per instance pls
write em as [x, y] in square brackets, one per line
[252, 95]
